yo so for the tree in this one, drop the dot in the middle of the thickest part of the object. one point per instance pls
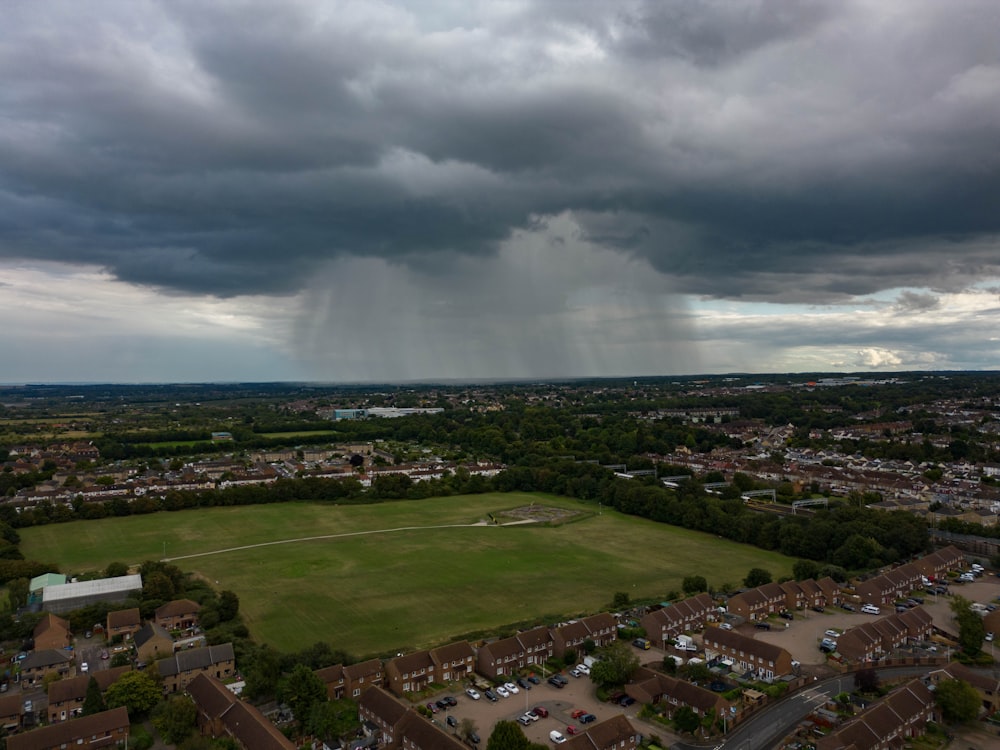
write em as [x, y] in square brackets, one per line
[116, 570]
[957, 699]
[301, 689]
[757, 577]
[17, 593]
[694, 584]
[137, 691]
[804, 569]
[120, 659]
[686, 720]
[507, 735]
[866, 680]
[94, 702]
[158, 586]
[971, 629]
[618, 663]
[333, 719]
[175, 719]
[229, 605]
[621, 600]
[467, 728]
[669, 665]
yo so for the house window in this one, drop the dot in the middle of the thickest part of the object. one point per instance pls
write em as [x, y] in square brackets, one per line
[357, 692]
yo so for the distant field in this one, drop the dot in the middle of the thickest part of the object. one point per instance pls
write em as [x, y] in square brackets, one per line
[406, 589]
[176, 443]
[299, 433]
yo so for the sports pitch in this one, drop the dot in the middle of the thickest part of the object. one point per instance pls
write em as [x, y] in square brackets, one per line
[411, 574]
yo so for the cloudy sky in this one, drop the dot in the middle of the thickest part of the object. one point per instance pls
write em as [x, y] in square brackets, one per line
[357, 191]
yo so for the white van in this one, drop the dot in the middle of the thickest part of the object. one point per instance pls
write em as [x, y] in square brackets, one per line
[870, 609]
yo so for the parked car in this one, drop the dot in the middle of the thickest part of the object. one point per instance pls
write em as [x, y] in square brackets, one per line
[104, 654]
[557, 683]
[502, 691]
[474, 694]
[726, 626]
[818, 608]
[870, 609]
[523, 720]
[540, 711]
[490, 695]
[626, 701]
[642, 643]
[832, 633]
[576, 713]
[511, 688]
[433, 707]
[571, 729]
[452, 721]
[474, 738]
[531, 716]
[989, 636]
[84, 667]
[786, 615]
[762, 625]
[576, 672]
[525, 685]
[848, 607]
[587, 718]
[533, 679]
[449, 700]
[560, 678]
[584, 669]
[557, 737]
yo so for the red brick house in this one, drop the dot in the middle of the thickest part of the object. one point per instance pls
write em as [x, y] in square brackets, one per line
[351, 681]
[649, 687]
[758, 603]
[684, 616]
[410, 673]
[508, 655]
[124, 623]
[601, 629]
[903, 714]
[179, 670]
[616, 733]
[40, 663]
[179, 614]
[66, 697]
[104, 729]
[52, 632]
[454, 662]
[222, 714]
[399, 726]
[766, 660]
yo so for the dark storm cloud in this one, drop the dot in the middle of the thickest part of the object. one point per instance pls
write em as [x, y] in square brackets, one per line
[775, 151]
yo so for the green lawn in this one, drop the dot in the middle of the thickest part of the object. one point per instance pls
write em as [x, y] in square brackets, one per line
[406, 589]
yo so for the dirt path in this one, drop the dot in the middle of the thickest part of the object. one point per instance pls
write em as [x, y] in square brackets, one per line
[341, 536]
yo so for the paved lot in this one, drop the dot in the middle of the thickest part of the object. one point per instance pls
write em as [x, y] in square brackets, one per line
[579, 693]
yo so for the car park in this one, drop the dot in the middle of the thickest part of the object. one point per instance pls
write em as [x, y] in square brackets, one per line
[511, 688]
[557, 737]
[474, 694]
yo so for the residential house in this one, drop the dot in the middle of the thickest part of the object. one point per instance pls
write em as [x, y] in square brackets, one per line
[222, 714]
[179, 614]
[985, 684]
[399, 726]
[831, 591]
[648, 686]
[37, 664]
[616, 733]
[508, 655]
[600, 629]
[52, 632]
[11, 711]
[104, 729]
[903, 714]
[876, 639]
[454, 662]
[758, 603]
[410, 673]
[892, 585]
[681, 617]
[178, 670]
[152, 642]
[351, 681]
[766, 660]
[940, 562]
[123, 623]
[66, 697]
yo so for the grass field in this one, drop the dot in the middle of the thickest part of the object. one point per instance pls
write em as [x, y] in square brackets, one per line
[298, 434]
[404, 589]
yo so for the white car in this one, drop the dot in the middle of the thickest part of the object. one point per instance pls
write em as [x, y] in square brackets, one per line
[870, 609]
[989, 636]
[557, 737]
[511, 688]
[726, 626]
[85, 667]
[832, 633]
[501, 691]
[583, 668]
[474, 694]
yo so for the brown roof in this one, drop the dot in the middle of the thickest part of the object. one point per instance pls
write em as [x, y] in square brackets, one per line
[457, 651]
[210, 696]
[420, 734]
[68, 732]
[73, 688]
[177, 608]
[605, 734]
[354, 672]
[535, 637]
[733, 640]
[253, 730]
[10, 705]
[382, 704]
[50, 621]
[331, 675]
[123, 618]
[411, 662]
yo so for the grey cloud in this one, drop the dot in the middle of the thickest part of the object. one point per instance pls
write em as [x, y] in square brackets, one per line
[813, 151]
[914, 302]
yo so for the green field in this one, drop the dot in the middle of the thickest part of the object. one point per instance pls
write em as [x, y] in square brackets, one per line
[404, 589]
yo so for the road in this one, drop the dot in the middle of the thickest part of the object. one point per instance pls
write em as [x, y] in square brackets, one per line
[766, 729]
